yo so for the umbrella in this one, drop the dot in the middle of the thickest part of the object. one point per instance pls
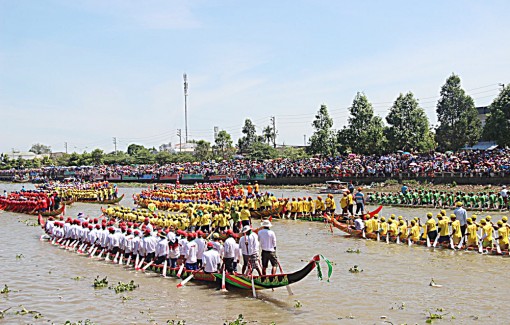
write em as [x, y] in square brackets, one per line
[413, 164]
[352, 155]
[464, 162]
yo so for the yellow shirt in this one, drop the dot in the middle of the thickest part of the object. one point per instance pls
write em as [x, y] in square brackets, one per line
[503, 235]
[471, 233]
[415, 233]
[456, 229]
[244, 215]
[431, 225]
[443, 225]
[384, 228]
[344, 202]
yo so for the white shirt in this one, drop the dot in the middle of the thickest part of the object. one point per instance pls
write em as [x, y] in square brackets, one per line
[162, 247]
[252, 244]
[128, 243]
[149, 244]
[190, 252]
[242, 246]
[461, 215]
[200, 247]
[174, 252]
[229, 248]
[267, 240]
[358, 224]
[135, 242]
[210, 260]
[504, 192]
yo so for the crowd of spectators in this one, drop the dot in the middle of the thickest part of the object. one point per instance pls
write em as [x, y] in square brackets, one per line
[462, 164]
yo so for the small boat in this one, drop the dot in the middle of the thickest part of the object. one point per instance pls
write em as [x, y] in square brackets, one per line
[51, 213]
[334, 187]
[68, 202]
[21, 180]
[113, 201]
[264, 214]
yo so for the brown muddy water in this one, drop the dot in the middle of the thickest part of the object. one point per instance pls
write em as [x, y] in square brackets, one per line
[394, 283]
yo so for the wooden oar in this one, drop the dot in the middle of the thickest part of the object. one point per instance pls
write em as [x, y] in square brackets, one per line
[461, 242]
[428, 240]
[183, 282]
[165, 265]
[223, 284]
[253, 286]
[435, 241]
[128, 260]
[387, 237]
[398, 239]
[181, 268]
[498, 248]
[116, 257]
[147, 266]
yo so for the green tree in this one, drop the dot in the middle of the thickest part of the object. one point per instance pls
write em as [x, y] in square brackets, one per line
[40, 149]
[408, 125]
[293, 153]
[365, 132]
[203, 150]
[74, 159]
[457, 116]
[497, 125]
[250, 136]
[134, 148]
[144, 156]
[164, 157]
[322, 142]
[223, 144]
[260, 151]
[97, 156]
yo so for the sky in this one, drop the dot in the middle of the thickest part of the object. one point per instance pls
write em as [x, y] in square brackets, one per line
[83, 72]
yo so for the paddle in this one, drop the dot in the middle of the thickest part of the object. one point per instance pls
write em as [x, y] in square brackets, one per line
[409, 241]
[461, 243]
[147, 266]
[428, 240]
[387, 237]
[137, 259]
[398, 239]
[165, 265]
[436, 240]
[183, 282]
[116, 257]
[181, 268]
[223, 285]
[498, 248]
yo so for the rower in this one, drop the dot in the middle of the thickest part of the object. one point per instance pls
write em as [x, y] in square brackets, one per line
[456, 234]
[267, 240]
[431, 228]
[415, 231]
[190, 252]
[229, 251]
[443, 228]
[211, 259]
[161, 248]
[250, 242]
[472, 237]
[502, 235]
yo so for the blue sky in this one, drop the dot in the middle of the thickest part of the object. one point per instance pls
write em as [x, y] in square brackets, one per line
[83, 72]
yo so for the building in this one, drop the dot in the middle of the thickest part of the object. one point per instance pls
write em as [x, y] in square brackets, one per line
[167, 147]
[14, 155]
[185, 147]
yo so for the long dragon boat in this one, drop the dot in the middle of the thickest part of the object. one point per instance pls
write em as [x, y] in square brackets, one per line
[238, 280]
[393, 239]
[431, 206]
[34, 212]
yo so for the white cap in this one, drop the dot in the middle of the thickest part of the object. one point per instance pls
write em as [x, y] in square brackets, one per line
[266, 223]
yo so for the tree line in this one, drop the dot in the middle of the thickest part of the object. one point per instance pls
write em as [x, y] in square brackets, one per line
[408, 127]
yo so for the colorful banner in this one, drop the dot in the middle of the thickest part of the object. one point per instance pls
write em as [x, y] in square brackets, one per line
[218, 177]
[259, 177]
[69, 173]
[147, 176]
[192, 176]
[173, 177]
[129, 178]
[114, 178]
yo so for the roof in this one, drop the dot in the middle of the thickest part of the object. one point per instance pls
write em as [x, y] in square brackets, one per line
[483, 145]
[335, 182]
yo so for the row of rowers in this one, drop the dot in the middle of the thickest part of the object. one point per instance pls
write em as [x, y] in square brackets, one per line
[254, 201]
[131, 241]
[193, 217]
[444, 229]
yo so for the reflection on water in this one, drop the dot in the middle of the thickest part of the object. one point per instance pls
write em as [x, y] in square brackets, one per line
[393, 274]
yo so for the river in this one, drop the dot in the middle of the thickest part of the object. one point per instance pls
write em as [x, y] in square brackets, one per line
[394, 282]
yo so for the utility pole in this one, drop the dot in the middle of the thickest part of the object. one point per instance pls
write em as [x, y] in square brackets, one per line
[65, 146]
[180, 139]
[216, 130]
[273, 120]
[115, 143]
[185, 107]
[502, 86]
[304, 137]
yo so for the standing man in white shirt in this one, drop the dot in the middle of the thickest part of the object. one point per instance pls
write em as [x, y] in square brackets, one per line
[504, 195]
[252, 250]
[229, 251]
[162, 248]
[267, 240]
[190, 253]
[211, 259]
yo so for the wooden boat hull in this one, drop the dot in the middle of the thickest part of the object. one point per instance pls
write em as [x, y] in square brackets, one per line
[431, 206]
[244, 281]
[114, 201]
[264, 214]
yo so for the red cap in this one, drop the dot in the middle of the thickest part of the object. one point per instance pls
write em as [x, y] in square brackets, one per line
[209, 245]
[98, 227]
[91, 227]
[129, 230]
